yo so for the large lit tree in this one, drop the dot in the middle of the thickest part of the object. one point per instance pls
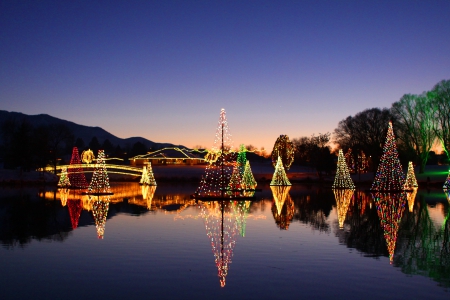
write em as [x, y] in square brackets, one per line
[389, 176]
[100, 180]
[416, 123]
[284, 149]
[279, 176]
[75, 171]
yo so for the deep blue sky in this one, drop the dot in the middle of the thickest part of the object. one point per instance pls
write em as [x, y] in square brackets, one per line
[164, 69]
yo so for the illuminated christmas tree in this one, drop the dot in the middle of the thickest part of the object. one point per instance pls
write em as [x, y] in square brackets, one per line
[283, 210]
[235, 185]
[342, 179]
[221, 230]
[284, 149]
[64, 178]
[447, 182]
[75, 207]
[279, 176]
[147, 175]
[410, 181]
[389, 176]
[75, 171]
[248, 181]
[100, 181]
[343, 197]
[390, 208]
[349, 160]
[241, 159]
[214, 184]
[100, 209]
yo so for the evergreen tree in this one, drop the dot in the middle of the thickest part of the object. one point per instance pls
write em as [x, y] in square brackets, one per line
[342, 180]
[389, 176]
[279, 176]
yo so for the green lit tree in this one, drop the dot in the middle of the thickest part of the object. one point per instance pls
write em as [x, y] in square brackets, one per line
[241, 159]
[279, 176]
[342, 180]
[248, 180]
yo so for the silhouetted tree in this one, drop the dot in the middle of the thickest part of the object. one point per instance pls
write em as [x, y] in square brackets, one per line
[94, 145]
[79, 143]
[108, 146]
[439, 97]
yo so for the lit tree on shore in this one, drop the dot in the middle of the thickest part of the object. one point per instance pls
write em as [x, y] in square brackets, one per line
[147, 175]
[100, 181]
[342, 180]
[75, 171]
[410, 181]
[389, 176]
[279, 176]
[248, 180]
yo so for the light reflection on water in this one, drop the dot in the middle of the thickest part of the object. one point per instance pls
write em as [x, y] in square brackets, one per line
[160, 243]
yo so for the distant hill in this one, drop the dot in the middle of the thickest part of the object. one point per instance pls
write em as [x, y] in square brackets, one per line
[80, 131]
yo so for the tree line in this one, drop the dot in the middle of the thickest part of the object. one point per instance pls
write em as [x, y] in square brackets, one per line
[26, 147]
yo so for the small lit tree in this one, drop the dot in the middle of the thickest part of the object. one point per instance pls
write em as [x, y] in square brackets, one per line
[342, 179]
[100, 181]
[64, 178]
[248, 180]
[411, 181]
[279, 176]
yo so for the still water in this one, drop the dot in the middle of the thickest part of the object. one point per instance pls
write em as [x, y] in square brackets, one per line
[303, 242]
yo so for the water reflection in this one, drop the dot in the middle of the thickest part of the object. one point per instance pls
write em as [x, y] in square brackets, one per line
[100, 207]
[343, 197]
[283, 207]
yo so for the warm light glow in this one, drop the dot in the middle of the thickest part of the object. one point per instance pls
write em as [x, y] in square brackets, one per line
[279, 176]
[342, 180]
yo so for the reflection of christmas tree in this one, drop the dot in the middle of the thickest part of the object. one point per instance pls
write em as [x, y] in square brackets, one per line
[241, 209]
[248, 181]
[390, 207]
[342, 179]
[64, 178]
[76, 174]
[147, 175]
[343, 197]
[283, 210]
[389, 176]
[411, 196]
[220, 229]
[279, 176]
[221, 162]
[75, 207]
[100, 181]
[63, 193]
[100, 208]
[147, 194]
[410, 181]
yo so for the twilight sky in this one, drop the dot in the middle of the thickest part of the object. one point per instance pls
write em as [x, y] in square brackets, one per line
[164, 69]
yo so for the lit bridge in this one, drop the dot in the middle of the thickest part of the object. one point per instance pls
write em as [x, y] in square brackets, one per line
[111, 169]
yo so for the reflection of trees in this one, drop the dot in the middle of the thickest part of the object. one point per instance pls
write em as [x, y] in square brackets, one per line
[313, 208]
[241, 209]
[423, 248]
[100, 208]
[390, 207]
[411, 196]
[283, 207]
[221, 230]
[363, 231]
[343, 197]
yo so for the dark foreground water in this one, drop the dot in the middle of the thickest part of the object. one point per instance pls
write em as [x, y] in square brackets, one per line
[305, 243]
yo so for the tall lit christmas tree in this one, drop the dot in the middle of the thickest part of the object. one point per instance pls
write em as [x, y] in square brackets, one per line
[279, 176]
[147, 175]
[221, 230]
[342, 180]
[389, 176]
[343, 197]
[75, 171]
[64, 178]
[248, 181]
[214, 184]
[100, 181]
[390, 208]
[410, 181]
[100, 208]
[283, 210]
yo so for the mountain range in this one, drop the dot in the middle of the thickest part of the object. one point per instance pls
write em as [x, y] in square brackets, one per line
[81, 131]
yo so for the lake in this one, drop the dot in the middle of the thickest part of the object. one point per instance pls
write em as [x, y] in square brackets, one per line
[303, 242]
